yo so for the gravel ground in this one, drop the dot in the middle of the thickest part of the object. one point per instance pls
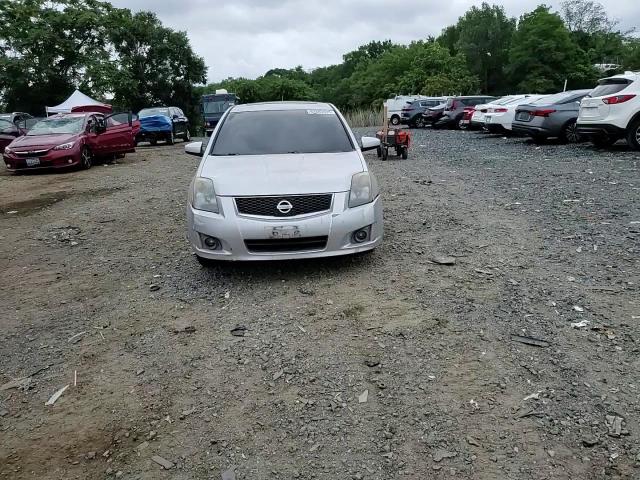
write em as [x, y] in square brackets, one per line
[376, 367]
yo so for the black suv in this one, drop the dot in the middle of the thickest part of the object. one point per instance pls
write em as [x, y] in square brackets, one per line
[454, 110]
[412, 112]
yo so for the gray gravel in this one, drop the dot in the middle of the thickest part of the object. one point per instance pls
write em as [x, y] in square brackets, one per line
[545, 242]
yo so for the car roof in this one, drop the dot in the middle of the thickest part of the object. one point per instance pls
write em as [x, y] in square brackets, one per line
[278, 106]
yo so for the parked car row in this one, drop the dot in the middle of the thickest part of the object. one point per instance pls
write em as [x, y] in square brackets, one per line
[603, 115]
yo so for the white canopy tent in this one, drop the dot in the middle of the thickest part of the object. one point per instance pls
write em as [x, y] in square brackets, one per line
[77, 99]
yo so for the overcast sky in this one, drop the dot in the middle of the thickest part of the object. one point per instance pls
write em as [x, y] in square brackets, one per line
[245, 38]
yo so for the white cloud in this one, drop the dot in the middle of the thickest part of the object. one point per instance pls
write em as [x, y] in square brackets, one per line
[248, 37]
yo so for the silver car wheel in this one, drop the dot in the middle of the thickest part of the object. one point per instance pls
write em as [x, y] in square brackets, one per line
[571, 133]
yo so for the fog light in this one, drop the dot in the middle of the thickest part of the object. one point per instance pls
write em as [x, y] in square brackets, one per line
[211, 243]
[361, 235]
[70, 161]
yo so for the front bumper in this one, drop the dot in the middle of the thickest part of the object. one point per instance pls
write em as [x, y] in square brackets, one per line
[51, 159]
[232, 229]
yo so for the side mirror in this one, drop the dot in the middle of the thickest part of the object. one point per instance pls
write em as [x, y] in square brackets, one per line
[369, 143]
[193, 148]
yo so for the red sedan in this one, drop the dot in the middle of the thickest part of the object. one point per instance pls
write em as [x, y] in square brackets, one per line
[73, 139]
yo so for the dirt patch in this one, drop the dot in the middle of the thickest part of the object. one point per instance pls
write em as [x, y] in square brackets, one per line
[99, 283]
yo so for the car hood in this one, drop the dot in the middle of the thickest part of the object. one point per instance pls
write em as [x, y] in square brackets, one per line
[41, 142]
[289, 174]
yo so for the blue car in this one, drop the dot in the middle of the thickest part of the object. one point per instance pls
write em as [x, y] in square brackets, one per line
[162, 124]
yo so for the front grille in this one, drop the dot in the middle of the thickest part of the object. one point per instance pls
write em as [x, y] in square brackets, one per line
[268, 206]
[275, 245]
[32, 153]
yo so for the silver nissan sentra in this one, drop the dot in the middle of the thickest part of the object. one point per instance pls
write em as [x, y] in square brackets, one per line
[283, 180]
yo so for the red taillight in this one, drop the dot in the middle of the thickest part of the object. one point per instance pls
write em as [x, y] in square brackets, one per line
[468, 113]
[543, 113]
[500, 110]
[617, 99]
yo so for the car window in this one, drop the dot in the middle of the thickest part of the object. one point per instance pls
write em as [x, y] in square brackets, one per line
[117, 119]
[274, 132]
[609, 86]
[6, 126]
[148, 112]
[561, 97]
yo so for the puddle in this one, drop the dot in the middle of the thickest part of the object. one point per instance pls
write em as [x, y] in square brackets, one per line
[27, 207]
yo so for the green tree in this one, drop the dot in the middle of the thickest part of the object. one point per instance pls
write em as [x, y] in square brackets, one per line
[543, 54]
[449, 38]
[153, 65]
[48, 48]
[484, 36]
[51, 47]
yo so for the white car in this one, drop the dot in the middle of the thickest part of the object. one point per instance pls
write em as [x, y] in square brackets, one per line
[611, 111]
[500, 118]
[477, 118]
[283, 180]
[396, 104]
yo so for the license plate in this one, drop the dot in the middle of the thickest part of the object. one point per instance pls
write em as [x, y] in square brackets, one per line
[284, 232]
[487, 119]
[464, 122]
[523, 116]
[32, 162]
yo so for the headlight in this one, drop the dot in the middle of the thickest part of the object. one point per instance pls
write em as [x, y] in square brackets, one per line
[203, 196]
[64, 146]
[7, 150]
[364, 189]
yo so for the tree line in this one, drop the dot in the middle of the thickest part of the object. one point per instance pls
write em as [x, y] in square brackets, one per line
[486, 51]
[48, 48]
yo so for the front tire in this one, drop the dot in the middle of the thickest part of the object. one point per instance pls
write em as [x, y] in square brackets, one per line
[187, 135]
[633, 135]
[570, 133]
[419, 123]
[395, 120]
[171, 138]
[86, 159]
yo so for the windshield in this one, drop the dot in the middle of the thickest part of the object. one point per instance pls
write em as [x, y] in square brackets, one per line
[555, 98]
[609, 87]
[148, 112]
[53, 126]
[274, 132]
[219, 106]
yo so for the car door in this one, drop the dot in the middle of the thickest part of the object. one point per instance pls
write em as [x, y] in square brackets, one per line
[175, 120]
[184, 120]
[116, 134]
[8, 133]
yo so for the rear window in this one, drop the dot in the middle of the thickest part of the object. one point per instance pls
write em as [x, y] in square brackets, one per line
[275, 132]
[561, 97]
[609, 86]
